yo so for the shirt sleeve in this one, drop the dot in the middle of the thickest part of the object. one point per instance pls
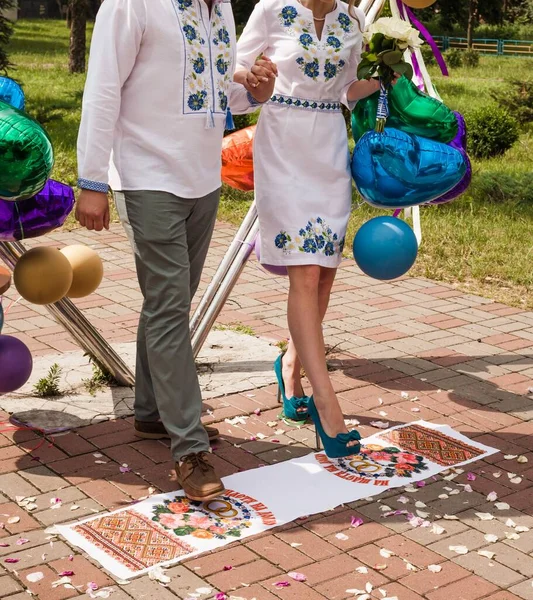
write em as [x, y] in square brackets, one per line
[251, 44]
[353, 62]
[115, 44]
[254, 38]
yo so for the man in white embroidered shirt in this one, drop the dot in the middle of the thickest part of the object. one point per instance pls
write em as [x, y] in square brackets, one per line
[156, 102]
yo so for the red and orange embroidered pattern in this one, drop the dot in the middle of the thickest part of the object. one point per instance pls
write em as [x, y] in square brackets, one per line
[133, 540]
[433, 445]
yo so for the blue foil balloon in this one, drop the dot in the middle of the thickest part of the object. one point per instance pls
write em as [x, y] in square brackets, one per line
[385, 248]
[395, 169]
[11, 93]
[459, 142]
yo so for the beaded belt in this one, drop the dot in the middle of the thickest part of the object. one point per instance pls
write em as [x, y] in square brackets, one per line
[319, 105]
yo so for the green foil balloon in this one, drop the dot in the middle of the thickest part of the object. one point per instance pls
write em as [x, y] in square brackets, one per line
[26, 155]
[410, 110]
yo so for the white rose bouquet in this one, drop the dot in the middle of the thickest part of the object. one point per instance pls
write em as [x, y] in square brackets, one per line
[386, 41]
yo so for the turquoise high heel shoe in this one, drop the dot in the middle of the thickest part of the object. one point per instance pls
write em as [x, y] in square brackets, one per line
[334, 447]
[290, 405]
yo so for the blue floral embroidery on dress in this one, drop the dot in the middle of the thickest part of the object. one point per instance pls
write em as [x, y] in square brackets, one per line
[331, 69]
[287, 16]
[223, 100]
[345, 22]
[311, 68]
[282, 239]
[306, 40]
[334, 42]
[315, 238]
[197, 101]
[198, 64]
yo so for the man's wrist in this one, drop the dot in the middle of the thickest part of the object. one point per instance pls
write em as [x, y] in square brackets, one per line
[93, 186]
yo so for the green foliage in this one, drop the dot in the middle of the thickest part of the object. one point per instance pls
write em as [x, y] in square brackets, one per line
[243, 121]
[427, 54]
[6, 30]
[518, 99]
[100, 379]
[471, 58]
[454, 58]
[48, 386]
[491, 131]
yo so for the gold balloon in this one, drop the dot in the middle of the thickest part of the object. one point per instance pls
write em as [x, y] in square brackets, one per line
[43, 275]
[87, 269]
[419, 3]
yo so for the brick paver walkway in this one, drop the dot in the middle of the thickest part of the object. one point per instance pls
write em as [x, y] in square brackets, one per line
[405, 350]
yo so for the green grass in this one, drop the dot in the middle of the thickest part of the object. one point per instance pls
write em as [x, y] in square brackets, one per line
[482, 242]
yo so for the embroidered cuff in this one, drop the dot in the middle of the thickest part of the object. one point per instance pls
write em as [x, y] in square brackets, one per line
[94, 186]
[252, 100]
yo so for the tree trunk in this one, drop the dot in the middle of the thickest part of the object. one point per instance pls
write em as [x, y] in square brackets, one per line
[78, 16]
[472, 18]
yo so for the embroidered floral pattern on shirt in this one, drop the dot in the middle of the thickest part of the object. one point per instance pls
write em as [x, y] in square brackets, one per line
[315, 238]
[206, 85]
[325, 105]
[332, 43]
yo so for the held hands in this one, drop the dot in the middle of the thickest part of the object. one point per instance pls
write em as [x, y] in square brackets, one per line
[92, 210]
[260, 79]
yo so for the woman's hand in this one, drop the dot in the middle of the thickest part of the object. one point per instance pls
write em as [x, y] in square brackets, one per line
[260, 79]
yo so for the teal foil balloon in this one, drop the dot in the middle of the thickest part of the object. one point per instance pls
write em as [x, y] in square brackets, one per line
[410, 110]
[26, 155]
[395, 169]
[11, 93]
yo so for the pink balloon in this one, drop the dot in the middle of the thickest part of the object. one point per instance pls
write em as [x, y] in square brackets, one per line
[278, 270]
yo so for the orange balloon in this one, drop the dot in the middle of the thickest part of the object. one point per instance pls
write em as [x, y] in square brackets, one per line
[237, 159]
[5, 280]
[419, 3]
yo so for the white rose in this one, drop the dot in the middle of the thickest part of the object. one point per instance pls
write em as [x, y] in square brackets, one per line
[396, 29]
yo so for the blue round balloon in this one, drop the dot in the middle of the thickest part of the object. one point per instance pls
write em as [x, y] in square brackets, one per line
[385, 248]
[11, 93]
[395, 169]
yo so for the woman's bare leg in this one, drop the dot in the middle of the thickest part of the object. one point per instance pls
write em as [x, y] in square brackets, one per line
[305, 325]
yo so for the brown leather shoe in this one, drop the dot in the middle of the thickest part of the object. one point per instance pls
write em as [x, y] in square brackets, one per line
[198, 478]
[155, 430]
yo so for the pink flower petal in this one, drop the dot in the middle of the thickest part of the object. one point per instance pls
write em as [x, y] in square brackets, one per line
[420, 484]
[221, 596]
[124, 469]
[281, 584]
[356, 522]
[257, 411]
[471, 477]
[71, 558]
[91, 585]
[66, 574]
[275, 441]
[297, 576]
[228, 568]
[21, 541]
[11, 561]
[2, 545]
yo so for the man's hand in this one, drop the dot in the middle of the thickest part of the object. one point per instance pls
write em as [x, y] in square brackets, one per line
[260, 80]
[92, 210]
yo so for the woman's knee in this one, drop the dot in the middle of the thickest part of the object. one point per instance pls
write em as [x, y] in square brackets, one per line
[305, 278]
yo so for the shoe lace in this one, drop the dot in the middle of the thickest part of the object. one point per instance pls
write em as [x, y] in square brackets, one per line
[198, 460]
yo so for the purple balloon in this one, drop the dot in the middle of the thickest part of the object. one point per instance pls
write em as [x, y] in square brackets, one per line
[38, 215]
[459, 143]
[274, 269]
[16, 364]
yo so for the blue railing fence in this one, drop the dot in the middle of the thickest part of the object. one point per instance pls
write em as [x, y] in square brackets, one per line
[488, 46]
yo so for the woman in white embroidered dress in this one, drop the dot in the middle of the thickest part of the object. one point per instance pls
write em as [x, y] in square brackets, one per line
[303, 185]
